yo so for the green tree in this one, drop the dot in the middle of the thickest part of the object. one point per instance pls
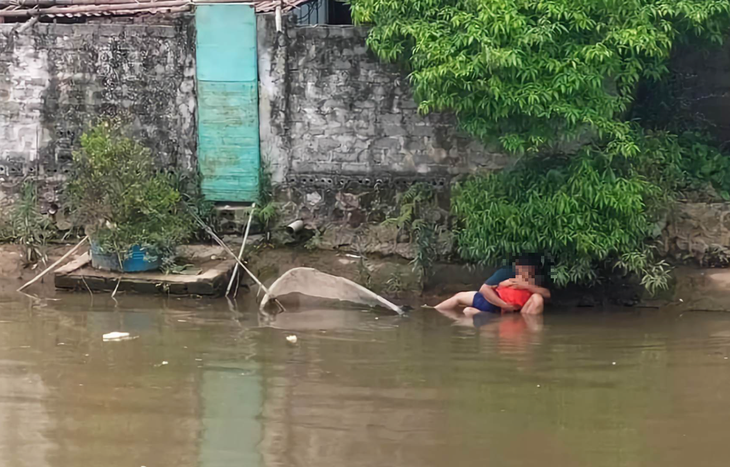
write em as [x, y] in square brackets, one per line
[535, 75]
[534, 72]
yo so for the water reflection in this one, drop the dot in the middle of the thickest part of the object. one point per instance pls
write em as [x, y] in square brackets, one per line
[204, 384]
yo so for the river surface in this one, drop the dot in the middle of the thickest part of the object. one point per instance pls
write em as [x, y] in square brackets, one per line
[202, 384]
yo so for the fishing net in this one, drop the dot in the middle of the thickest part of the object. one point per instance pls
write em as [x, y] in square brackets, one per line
[318, 285]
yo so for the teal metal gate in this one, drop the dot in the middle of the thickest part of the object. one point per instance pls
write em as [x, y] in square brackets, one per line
[228, 112]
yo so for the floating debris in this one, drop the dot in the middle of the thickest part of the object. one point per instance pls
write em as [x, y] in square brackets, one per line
[292, 339]
[117, 336]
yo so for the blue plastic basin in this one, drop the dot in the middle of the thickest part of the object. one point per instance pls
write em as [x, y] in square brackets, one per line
[138, 260]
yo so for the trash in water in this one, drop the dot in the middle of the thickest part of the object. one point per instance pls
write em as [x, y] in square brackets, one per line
[117, 336]
[292, 339]
[165, 362]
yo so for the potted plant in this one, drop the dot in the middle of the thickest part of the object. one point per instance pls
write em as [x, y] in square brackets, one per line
[133, 213]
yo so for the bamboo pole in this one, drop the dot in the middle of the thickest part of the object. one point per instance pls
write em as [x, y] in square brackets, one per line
[240, 253]
[54, 265]
[233, 255]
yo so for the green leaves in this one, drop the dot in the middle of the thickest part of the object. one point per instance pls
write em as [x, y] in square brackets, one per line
[534, 73]
[582, 211]
[586, 211]
[534, 67]
[120, 197]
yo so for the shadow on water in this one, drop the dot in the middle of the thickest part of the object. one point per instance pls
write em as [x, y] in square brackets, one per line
[203, 384]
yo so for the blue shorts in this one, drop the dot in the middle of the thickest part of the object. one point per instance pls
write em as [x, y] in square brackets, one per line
[481, 304]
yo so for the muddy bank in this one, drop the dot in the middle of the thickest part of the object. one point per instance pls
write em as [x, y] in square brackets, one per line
[694, 289]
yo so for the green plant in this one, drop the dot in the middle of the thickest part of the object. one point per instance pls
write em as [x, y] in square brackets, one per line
[394, 284]
[425, 236]
[411, 206]
[584, 211]
[116, 193]
[704, 166]
[716, 256]
[534, 75]
[414, 205]
[534, 72]
[314, 242]
[267, 209]
[27, 226]
[187, 183]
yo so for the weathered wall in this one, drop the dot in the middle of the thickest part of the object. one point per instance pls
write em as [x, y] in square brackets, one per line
[699, 231]
[331, 109]
[694, 94]
[55, 79]
[341, 134]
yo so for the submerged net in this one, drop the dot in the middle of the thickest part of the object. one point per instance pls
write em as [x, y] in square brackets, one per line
[319, 285]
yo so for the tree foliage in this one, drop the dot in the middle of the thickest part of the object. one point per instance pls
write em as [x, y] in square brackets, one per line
[117, 194]
[535, 75]
[533, 72]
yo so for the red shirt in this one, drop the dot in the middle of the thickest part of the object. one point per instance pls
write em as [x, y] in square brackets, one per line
[514, 296]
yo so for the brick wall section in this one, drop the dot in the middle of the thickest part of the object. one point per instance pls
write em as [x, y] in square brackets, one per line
[336, 109]
[57, 78]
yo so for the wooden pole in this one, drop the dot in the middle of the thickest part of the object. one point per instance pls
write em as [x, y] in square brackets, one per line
[228, 250]
[240, 253]
[54, 265]
[231, 253]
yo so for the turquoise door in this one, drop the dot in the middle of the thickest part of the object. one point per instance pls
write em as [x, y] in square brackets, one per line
[228, 112]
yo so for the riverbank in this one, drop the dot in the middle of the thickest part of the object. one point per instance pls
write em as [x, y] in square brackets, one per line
[694, 288]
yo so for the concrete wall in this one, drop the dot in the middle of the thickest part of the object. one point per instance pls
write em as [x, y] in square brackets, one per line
[57, 78]
[699, 231]
[700, 84]
[330, 108]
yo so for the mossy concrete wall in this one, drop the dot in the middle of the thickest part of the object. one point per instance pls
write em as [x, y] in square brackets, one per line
[57, 79]
[333, 113]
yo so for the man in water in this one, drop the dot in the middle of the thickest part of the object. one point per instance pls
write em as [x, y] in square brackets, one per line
[523, 275]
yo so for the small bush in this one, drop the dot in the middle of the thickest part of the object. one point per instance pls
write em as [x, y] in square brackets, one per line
[122, 201]
[27, 227]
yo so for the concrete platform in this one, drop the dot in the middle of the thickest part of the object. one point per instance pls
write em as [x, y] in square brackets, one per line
[79, 275]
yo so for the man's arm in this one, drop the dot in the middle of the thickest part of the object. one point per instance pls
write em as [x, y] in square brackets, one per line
[493, 298]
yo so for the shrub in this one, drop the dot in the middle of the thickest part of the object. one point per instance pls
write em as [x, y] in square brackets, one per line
[535, 74]
[26, 225]
[116, 193]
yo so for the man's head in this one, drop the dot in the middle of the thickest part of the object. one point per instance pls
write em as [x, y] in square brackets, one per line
[527, 265]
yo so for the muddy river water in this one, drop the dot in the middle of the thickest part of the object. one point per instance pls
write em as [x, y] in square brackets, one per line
[202, 384]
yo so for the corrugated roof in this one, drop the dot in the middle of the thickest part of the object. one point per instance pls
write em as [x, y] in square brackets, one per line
[89, 8]
[266, 6]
